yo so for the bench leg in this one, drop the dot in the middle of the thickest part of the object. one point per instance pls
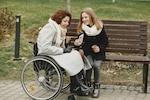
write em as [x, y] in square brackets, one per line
[145, 77]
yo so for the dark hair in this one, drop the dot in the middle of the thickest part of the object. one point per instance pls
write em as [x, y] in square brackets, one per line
[59, 15]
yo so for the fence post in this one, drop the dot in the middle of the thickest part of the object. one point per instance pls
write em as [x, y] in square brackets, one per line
[17, 38]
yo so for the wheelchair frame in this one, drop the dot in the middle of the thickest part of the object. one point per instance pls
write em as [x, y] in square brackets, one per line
[42, 78]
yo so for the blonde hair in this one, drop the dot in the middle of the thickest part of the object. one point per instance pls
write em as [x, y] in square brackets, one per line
[94, 20]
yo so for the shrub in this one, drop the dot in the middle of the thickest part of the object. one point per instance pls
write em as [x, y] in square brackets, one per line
[7, 23]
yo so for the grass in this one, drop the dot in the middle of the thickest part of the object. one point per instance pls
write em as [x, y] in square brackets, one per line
[36, 13]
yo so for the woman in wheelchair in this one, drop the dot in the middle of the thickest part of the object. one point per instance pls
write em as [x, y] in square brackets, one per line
[51, 42]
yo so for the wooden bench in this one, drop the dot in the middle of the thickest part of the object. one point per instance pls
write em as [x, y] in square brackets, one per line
[128, 38]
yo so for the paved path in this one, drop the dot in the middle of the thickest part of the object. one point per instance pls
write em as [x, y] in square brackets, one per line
[12, 90]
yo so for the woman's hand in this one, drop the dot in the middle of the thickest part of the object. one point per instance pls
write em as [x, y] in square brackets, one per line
[77, 42]
[95, 48]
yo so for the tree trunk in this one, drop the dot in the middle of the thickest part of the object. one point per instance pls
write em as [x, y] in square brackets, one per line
[68, 5]
[113, 1]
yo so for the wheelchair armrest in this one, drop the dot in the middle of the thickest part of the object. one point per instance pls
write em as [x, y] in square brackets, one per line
[35, 48]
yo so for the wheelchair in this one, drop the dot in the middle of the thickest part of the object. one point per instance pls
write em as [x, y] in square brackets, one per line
[43, 79]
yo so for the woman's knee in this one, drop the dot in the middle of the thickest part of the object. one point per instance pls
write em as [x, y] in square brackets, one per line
[97, 64]
[96, 67]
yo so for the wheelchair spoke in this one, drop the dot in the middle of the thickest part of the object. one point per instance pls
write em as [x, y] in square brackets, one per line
[41, 78]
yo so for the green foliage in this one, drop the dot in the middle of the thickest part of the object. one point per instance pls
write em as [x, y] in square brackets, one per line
[6, 23]
[36, 12]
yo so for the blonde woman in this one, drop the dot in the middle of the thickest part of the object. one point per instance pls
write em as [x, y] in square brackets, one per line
[93, 38]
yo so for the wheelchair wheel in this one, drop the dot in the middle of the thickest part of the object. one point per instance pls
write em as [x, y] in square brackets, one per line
[66, 76]
[41, 78]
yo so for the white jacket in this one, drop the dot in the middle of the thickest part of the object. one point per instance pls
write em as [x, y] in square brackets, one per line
[71, 62]
[46, 41]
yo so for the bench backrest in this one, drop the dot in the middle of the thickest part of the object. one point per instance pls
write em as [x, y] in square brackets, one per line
[124, 36]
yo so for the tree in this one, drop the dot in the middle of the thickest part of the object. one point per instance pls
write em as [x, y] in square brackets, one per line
[68, 5]
[113, 1]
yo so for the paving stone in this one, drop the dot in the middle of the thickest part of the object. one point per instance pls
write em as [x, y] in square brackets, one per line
[143, 95]
[117, 87]
[131, 98]
[133, 92]
[125, 92]
[12, 90]
[123, 87]
[116, 92]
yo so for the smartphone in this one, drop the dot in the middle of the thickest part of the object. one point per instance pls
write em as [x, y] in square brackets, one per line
[81, 37]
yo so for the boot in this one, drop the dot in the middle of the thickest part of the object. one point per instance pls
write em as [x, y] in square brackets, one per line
[78, 87]
[96, 90]
[81, 75]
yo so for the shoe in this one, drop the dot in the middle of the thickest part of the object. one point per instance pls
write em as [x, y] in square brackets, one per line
[96, 90]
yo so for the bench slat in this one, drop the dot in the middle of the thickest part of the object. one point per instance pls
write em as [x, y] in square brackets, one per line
[124, 22]
[123, 58]
[123, 28]
[113, 50]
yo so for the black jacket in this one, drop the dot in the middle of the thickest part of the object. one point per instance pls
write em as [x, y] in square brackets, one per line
[101, 40]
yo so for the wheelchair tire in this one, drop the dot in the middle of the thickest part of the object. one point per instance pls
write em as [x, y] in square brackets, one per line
[41, 78]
